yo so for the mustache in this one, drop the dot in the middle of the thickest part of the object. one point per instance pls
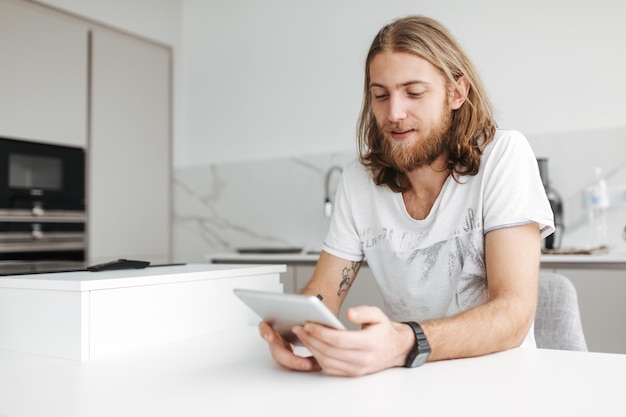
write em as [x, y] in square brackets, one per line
[399, 127]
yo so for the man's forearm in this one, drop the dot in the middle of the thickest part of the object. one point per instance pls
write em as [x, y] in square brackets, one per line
[498, 325]
[332, 279]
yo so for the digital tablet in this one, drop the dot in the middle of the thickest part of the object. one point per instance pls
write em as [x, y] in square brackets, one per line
[283, 311]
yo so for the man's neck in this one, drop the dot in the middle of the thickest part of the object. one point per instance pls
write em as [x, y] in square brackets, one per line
[426, 184]
[431, 176]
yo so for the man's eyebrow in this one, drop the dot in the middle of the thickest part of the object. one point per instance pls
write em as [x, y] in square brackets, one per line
[404, 84]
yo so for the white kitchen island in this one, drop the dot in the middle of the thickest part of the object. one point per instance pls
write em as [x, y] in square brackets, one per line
[86, 315]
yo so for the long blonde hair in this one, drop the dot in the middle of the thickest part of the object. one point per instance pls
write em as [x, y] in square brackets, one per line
[473, 124]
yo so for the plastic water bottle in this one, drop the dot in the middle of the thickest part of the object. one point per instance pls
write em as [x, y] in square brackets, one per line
[597, 202]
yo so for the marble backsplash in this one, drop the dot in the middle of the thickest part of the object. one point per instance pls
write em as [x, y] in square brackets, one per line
[280, 202]
[259, 203]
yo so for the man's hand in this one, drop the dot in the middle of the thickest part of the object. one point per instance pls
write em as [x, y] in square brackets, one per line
[282, 351]
[380, 344]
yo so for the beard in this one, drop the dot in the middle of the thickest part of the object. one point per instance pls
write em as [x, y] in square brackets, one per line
[407, 156]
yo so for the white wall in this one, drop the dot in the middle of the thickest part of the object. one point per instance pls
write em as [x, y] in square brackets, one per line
[281, 77]
[273, 78]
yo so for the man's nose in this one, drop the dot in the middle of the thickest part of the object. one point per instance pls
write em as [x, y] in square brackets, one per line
[397, 109]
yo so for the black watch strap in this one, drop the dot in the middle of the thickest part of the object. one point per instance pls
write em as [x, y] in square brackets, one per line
[421, 350]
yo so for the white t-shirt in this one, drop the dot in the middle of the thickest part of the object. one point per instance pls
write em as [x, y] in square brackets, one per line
[435, 267]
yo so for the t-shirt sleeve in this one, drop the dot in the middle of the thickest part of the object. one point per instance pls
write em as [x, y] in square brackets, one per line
[513, 193]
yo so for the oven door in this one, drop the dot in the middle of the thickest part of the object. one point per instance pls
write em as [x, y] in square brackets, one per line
[31, 247]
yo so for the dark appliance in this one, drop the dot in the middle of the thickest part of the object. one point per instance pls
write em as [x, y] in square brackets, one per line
[556, 203]
[42, 207]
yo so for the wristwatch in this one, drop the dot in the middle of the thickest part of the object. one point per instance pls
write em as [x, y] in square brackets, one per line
[421, 350]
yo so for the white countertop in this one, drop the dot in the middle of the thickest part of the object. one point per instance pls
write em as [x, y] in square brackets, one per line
[232, 373]
[615, 259]
[304, 257]
[87, 281]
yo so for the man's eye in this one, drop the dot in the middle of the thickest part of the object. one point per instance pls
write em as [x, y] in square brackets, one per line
[379, 93]
[415, 94]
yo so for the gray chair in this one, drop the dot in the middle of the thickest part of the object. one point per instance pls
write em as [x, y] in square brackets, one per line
[557, 322]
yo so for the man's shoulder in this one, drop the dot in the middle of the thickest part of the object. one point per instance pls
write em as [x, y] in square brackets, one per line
[508, 135]
[358, 178]
[505, 139]
[355, 162]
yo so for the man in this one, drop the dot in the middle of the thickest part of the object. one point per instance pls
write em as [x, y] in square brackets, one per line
[448, 211]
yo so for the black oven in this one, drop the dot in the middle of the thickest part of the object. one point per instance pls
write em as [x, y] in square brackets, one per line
[42, 207]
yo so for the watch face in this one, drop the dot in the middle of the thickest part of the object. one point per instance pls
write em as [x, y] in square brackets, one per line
[420, 360]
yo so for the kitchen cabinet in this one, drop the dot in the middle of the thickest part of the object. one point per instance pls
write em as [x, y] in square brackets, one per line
[288, 279]
[602, 308]
[43, 79]
[129, 149]
[71, 81]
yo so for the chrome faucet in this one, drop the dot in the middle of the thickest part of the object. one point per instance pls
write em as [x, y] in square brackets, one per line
[328, 203]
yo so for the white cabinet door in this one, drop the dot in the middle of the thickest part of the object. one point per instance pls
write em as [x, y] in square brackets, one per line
[43, 76]
[129, 158]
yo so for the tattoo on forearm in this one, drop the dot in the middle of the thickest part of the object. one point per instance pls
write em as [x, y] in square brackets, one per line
[347, 277]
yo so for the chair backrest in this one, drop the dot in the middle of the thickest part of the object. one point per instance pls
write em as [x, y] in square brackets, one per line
[557, 322]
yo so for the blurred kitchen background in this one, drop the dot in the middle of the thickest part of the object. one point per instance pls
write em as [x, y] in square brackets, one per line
[213, 125]
[271, 91]
[265, 97]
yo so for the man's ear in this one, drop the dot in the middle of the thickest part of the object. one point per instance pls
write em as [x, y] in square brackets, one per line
[459, 93]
